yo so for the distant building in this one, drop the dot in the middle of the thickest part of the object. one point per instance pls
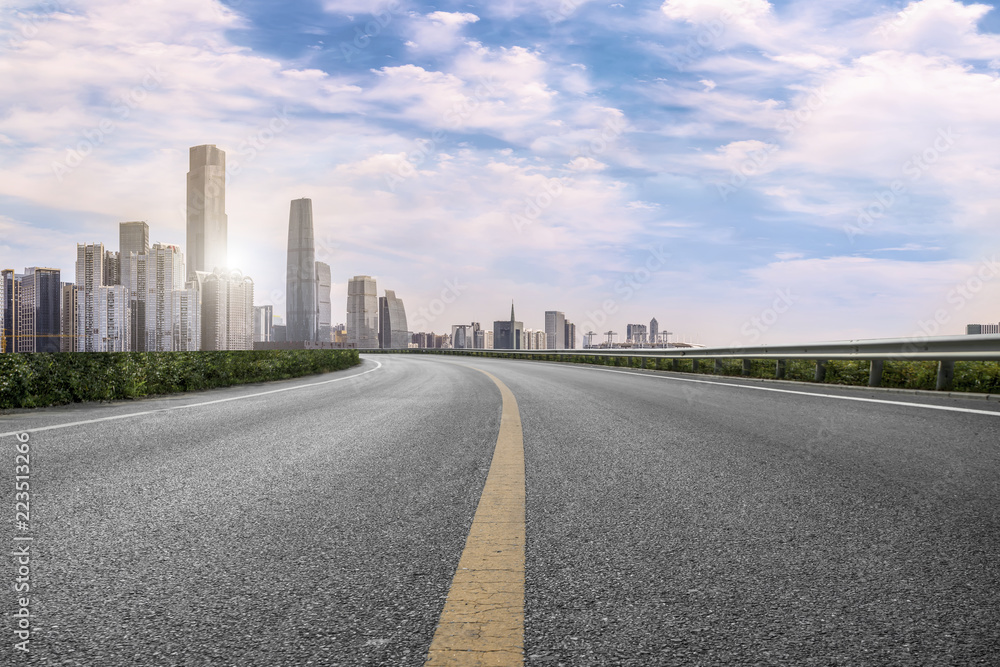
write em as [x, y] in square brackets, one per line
[112, 324]
[133, 239]
[67, 315]
[301, 301]
[362, 313]
[507, 333]
[555, 330]
[186, 321]
[164, 274]
[226, 310]
[654, 331]
[89, 279]
[570, 335]
[207, 223]
[324, 308]
[31, 302]
[392, 333]
[978, 329]
[636, 334]
[112, 268]
[263, 322]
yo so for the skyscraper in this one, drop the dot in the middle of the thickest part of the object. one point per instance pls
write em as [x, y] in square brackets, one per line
[301, 303]
[324, 308]
[112, 268]
[112, 320]
[207, 223]
[164, 269]
[555, 330]
[507, 334]
[570, 335]
[89, 278]
[263, 321]
[226, 310]
[67, 328]
[362, 313]
[654, 331]
[392, 333]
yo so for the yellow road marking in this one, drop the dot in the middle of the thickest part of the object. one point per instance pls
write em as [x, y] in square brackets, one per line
[483, 618]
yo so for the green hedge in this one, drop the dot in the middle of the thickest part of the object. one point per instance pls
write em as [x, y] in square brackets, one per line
[37, 380]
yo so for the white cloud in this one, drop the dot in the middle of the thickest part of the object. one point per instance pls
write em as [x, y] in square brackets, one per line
[439, 31]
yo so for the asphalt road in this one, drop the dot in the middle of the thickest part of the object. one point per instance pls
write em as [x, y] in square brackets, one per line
[669, 522]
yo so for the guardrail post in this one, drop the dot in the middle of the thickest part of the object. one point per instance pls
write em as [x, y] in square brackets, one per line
[675, 364]
[747, 367]
[875, 374]
[779, 369]
[694, 365]
[642, 362]
[718, 366]
[820, 371]
[945, 375]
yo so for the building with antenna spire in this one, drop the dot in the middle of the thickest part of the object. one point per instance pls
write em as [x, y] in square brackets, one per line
[508, 334]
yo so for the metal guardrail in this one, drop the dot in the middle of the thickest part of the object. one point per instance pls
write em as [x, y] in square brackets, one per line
[945, 350]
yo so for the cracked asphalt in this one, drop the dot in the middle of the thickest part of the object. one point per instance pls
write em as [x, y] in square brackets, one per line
[668, 523]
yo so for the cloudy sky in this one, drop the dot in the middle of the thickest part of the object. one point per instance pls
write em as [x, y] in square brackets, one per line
[744, 171]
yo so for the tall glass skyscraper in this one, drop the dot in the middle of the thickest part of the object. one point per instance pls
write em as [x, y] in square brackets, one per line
[301, 303]
[207, 223]
[362, 313]
[392, 333]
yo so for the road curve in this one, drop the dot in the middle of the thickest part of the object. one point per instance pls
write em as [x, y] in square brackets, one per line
[667, 522]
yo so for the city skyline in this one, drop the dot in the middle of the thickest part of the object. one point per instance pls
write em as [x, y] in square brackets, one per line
[834, 179]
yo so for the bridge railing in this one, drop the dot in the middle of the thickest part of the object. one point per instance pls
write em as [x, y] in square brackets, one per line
[945, 350]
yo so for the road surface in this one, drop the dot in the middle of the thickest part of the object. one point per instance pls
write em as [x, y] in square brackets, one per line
[669, 520]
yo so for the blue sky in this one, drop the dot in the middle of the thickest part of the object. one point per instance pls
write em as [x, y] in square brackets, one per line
[744, 171]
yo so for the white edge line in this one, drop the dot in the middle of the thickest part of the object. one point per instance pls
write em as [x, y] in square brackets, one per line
[378, 365]
[992, 413]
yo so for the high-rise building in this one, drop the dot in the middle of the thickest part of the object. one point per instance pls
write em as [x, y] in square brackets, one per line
[555, 330]
[89, 278]
[654, 331]
[135, 280]
[164, 274]
[207, 223]
[507, 334]
[112, 268]
[68, 314]
[112, 321]
[636, 334]
[7, 310]
[324, 308]
[570, 335]
[226, 310]
[133, 239]
[362, 313]
[979, 329]
[187, 318]
[392, 333]
[263, 321]
[301, 303]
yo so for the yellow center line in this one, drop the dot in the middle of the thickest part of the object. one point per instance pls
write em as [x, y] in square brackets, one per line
[483, 618]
